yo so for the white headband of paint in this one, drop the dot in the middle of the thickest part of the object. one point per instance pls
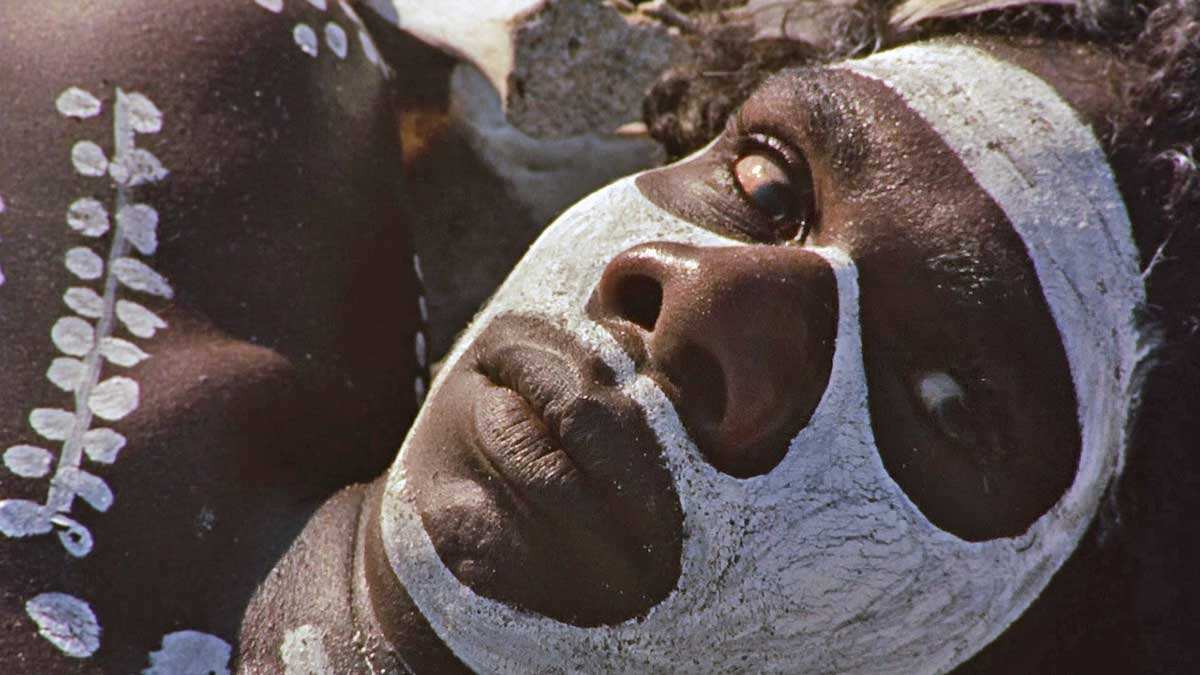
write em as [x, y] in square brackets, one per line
[823, 564]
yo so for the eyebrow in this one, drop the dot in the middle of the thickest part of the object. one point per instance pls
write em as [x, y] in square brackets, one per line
[826, 114]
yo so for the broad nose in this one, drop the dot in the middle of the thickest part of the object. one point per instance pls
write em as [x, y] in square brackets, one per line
[741, 340]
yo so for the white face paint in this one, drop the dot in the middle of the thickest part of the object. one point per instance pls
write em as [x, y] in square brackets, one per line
[303, 652]
[824, 564]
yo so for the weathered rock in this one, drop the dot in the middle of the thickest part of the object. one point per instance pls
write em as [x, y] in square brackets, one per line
[561, 67]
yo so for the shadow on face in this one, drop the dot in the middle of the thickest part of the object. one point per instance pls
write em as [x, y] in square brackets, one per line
[971, 404]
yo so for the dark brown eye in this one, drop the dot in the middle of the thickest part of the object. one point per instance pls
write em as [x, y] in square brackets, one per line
[781, 190]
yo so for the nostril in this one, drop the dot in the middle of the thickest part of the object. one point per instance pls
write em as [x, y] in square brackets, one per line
[639, 300]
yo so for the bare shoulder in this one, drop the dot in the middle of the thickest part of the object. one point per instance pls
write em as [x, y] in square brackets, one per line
[199, 231]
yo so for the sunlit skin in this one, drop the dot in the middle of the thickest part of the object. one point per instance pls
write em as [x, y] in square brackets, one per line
[280, 382]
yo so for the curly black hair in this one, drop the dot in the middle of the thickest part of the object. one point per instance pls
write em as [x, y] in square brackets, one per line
[1132, 585]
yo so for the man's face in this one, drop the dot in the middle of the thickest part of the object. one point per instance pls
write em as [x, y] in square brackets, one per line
[849, 378]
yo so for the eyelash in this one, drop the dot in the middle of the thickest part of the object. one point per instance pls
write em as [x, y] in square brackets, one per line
[749, 142]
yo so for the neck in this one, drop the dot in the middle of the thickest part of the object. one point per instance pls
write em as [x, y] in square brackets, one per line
[383, 605]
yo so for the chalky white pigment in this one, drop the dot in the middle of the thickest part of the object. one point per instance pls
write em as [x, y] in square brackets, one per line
[823, 564]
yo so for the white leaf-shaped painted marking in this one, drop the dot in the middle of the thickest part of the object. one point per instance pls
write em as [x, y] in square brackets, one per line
[92, 489]
[76, 102]
[28, 461]
[423, 308]
[335, 37]
[136, 167]
[66, 373]
[67, 622]
[89, 159]
[23, 518]
[140, 277]
[3, 206]
[51, 423]
[369, 49]
[114, 398]
[88, 217]
[84, 263]
[102, 445]
[122, 352]
[270, 5]
[188, 651]
[419, 348]
[319, 4]
[419, 388]
[306, 38]
[144, 116]
[74, 537]
[84, 301]
[139, 224]
[139, 320]
[417, 268]
[72, 335]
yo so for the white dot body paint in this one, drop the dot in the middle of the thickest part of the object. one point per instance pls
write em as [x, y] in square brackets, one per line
[84, 301]
[136, 167]
[28, 461]
[139, 224]
[823, 564]
[270, 5]
[88, 217]
[84, 263]
[122, 352]
[306, 39]
[419, 349]
[77, 103]
[319, 4]
[3, 206]
[66, 373]
[370, 51]
[51, 423]
[102, 445]
[190, 652]
[89, 159]
[67, 622]
[335, 38]
[139, 320]
[138, 276]
[73, 335]
[303, 651]
[114, 398]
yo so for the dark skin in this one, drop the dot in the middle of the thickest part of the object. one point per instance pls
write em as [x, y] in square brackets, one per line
[943, 276]
[233, 418]
[285, 370]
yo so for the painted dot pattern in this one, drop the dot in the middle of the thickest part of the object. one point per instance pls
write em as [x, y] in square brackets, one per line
[306, 39]
[309, 36]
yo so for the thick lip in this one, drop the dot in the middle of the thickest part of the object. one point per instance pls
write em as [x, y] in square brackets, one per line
[540, 483]
[538, 405]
